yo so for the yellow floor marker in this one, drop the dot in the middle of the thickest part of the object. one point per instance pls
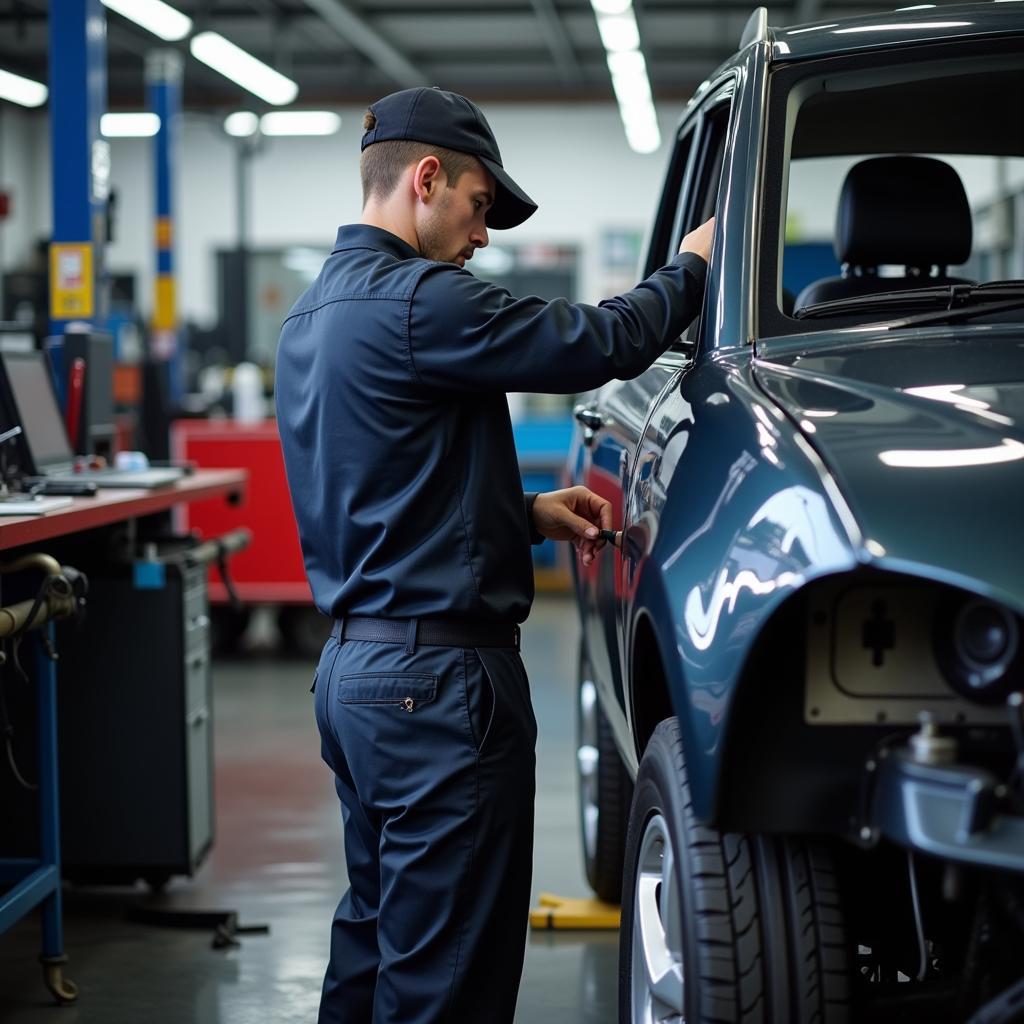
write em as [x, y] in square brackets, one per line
[558, 912]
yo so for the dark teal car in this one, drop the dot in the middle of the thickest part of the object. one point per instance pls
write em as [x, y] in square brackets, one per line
[801, 750]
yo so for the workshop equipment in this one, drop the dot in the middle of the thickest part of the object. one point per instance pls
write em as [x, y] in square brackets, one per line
[136, 718]
[563, 913]
[31, 882]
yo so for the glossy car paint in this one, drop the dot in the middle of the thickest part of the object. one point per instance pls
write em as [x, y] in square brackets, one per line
[736, 491]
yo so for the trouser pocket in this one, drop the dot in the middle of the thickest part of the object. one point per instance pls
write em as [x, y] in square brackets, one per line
[481, 699]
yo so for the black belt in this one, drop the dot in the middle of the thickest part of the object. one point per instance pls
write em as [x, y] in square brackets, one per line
[427, 632]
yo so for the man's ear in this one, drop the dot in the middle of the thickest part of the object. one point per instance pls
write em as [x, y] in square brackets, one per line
[427, 178]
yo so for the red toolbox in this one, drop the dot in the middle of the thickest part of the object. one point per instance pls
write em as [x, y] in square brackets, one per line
[270, 570]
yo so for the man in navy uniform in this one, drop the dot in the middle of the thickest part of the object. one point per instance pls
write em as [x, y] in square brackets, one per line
[391, 379]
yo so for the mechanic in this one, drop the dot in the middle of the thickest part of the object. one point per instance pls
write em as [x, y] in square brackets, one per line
[391, 378]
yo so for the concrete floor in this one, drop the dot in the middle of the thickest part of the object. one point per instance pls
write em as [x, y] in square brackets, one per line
[278, 860]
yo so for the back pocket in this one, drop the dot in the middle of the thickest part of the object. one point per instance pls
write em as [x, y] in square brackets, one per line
[405, 690]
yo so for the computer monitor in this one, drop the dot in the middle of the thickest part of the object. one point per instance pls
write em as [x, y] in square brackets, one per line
[27, 399]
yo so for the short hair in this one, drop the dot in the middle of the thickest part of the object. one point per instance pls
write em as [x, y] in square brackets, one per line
[382, 163]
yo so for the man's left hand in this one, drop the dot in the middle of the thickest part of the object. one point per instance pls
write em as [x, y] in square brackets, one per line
[575, 514]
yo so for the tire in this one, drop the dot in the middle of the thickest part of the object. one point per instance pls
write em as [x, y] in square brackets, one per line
[604, 790]
[739, 928]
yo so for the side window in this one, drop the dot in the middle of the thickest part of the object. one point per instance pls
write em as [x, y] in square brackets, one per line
[660, 250]
[701, 200]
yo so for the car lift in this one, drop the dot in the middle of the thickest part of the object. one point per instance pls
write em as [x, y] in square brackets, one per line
[558, 913]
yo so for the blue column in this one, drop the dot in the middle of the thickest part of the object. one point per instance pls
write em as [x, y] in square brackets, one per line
[163, 86]
[80, 158]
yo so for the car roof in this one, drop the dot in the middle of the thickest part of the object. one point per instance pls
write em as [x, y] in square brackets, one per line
[899, 27]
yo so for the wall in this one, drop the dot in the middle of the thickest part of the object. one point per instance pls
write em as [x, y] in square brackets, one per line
[25, 176]
[574, 161]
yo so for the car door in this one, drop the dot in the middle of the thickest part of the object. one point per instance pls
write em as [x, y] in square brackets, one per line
[666, 414]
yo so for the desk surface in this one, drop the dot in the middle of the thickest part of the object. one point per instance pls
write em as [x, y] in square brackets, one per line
[112, 505]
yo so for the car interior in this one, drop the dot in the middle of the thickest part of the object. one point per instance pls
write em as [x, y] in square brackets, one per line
[922, 165]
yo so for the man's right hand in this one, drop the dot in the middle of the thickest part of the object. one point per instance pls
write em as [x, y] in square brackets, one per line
[699, 240]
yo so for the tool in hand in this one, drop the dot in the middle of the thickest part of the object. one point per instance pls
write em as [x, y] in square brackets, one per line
[612, 536]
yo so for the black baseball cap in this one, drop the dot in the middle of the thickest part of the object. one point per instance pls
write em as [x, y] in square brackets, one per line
[449, 120]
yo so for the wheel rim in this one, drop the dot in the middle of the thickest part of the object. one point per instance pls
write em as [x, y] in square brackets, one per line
[656, 982]
[587, 760]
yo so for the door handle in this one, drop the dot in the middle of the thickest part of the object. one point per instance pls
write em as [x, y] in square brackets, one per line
[590, 419]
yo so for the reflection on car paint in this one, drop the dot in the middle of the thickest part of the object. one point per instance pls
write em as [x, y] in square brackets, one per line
[953, 458]
[804, 536]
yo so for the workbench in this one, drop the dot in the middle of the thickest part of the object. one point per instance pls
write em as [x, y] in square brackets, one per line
[28, 883]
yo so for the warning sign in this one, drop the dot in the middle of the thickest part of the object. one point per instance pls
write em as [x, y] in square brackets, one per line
[71, 280]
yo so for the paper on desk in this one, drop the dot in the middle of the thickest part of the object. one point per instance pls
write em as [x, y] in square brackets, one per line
[32, 506]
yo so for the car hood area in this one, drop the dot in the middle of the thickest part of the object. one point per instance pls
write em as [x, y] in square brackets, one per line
[924, 436]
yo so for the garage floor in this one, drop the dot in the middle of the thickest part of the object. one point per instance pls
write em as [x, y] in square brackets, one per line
[278, 861]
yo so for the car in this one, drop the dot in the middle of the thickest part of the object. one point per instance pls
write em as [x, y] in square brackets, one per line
[801, 746]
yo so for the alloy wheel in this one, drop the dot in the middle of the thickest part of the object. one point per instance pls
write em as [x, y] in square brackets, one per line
[657, 982]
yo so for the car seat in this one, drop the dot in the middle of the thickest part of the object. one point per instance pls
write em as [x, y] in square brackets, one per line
[908, 211]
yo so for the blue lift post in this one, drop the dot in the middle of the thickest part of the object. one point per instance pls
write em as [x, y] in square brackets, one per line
[80, 159]
[80, 166]
[163, 88]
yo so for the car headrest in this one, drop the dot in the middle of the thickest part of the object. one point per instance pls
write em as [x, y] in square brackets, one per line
[904, 210]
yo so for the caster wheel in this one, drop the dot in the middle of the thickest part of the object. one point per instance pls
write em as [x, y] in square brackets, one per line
[62, 990]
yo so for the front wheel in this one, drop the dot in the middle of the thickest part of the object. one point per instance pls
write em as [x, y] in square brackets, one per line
[723, 927]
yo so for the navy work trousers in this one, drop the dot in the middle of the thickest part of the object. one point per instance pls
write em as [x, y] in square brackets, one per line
[432, 750]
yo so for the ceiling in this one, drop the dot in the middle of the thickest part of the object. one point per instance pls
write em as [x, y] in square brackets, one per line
[352, 51]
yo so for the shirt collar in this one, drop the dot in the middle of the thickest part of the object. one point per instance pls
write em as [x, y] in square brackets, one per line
[365, 236]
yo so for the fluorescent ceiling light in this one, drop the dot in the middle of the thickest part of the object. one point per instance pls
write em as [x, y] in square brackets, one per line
[22, 90]
[122, 126]
[631, 89]
[243, 68]
[627, 62]
[154, 15]
[611, 6]
[300, 122]
[241, 123]
[618, 32]
[641, 124]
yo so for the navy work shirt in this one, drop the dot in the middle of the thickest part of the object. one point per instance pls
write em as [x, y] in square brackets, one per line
[391, 378]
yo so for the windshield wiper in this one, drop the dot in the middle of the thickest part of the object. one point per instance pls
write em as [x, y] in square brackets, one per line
[953, 316]
[956, 298]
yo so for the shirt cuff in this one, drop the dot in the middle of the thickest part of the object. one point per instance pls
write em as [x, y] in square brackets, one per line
[529, 498]
[697, 265]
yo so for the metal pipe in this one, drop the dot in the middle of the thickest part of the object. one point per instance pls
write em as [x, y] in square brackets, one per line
[212, 550]
[55, 606]
[47, 565]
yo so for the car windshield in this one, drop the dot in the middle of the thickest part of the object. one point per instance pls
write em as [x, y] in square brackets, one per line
[898, 192]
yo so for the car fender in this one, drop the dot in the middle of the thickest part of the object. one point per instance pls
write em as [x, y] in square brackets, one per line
[707, 565]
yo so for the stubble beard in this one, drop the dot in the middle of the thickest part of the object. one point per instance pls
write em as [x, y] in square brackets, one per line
[433, 245]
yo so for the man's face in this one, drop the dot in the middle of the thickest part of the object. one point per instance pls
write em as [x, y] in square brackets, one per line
[454, 226]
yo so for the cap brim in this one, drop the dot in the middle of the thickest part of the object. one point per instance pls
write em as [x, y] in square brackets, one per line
[511, 204]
